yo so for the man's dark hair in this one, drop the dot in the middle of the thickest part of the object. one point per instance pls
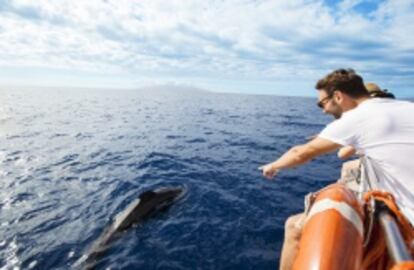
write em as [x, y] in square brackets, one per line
[344, 80]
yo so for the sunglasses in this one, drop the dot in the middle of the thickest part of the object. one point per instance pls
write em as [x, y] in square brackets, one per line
[322, 102]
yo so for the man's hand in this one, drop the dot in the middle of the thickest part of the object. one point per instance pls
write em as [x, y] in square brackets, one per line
[269, 170]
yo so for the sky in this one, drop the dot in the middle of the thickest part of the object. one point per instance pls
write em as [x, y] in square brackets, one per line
[238, 46]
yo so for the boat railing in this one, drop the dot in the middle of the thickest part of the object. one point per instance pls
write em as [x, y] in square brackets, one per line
[396, 247]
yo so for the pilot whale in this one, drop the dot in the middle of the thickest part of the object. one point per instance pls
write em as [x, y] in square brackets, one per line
[148, 202]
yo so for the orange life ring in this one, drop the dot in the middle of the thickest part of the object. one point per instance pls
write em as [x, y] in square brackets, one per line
[404, 266]
[332, 237]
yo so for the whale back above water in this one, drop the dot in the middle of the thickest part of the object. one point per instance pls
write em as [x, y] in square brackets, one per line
[148, 202]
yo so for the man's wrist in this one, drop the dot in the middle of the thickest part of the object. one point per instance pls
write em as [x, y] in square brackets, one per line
[275, 167]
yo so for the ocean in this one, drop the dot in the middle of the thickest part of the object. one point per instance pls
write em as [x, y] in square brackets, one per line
[71, 159]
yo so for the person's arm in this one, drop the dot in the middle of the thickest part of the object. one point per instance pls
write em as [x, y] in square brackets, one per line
[299, 155]
[346, 152]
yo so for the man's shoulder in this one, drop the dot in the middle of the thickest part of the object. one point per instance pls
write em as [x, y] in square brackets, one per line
[385, 106]
[370, 108]
[378, 102]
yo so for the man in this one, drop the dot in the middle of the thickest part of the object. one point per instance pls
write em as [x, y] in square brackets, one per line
[374, 92]
[381, 129]
[348, 151]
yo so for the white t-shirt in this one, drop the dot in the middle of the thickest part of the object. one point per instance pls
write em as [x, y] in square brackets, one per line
[382, 129]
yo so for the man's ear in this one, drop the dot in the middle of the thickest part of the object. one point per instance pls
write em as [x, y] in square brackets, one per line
[338, 96]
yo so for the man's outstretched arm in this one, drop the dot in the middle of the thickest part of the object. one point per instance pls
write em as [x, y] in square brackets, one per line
[299, 155]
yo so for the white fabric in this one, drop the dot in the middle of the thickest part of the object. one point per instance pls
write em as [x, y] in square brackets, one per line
[383, 130]
[342, 208]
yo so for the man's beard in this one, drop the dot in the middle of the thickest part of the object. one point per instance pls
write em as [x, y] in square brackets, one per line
[337, 115]
[337, 111]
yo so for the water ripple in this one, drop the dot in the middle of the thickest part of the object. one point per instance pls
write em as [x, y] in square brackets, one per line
[78, 157]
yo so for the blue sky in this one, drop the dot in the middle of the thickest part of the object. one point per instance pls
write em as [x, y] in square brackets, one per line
[263, 47]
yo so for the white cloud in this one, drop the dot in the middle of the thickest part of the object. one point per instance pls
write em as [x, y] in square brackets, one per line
[234, 39]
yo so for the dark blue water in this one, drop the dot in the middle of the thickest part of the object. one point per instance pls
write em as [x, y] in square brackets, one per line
[70, 160]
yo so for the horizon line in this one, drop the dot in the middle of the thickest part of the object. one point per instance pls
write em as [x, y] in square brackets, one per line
[178, 87]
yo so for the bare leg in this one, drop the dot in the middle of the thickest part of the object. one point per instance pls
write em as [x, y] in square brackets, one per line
[293, 230]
